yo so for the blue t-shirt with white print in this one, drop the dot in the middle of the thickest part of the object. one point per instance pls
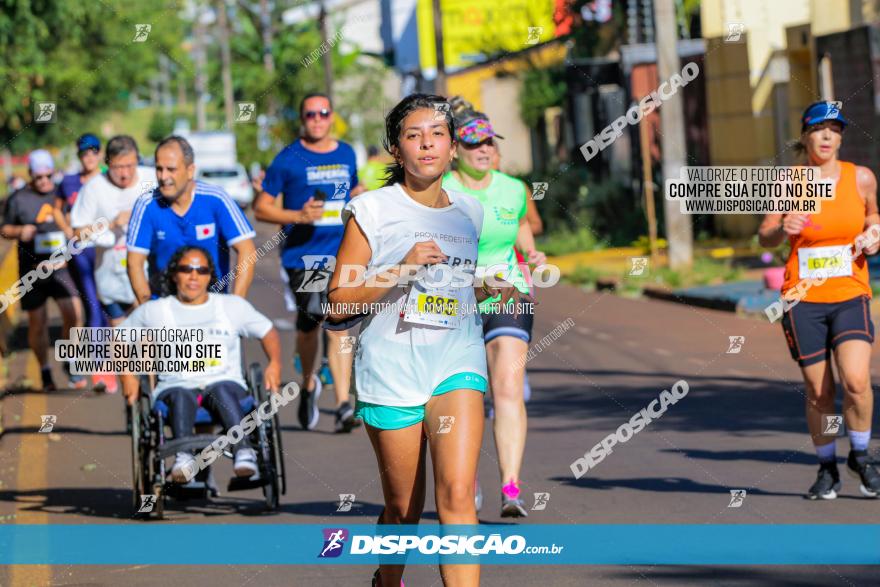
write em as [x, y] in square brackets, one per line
[298, 174]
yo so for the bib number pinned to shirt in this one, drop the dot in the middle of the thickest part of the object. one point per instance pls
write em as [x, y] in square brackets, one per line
[49, 242]
[433, 306]
[819, 262]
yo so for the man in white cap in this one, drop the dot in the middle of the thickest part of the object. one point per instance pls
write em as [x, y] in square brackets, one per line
[32, 219]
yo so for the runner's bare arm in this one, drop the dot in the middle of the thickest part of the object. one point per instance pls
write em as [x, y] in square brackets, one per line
[130, 387]
[532, 215]
[770, 233]
[135, 262]
[358, 190]
[354, 250]
[525, 241]
[867, 186]
[62, 219]
[265, 210]
[244, 256]
[272, 347]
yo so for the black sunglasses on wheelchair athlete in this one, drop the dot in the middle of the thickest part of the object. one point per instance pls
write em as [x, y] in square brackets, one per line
[190, 268]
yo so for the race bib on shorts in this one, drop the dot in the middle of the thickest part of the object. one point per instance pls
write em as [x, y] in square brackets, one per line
[49, 242]
[433, 306]
[818, 262]
[332, 213]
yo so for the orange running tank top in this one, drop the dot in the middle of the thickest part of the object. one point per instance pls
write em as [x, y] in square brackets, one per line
[838, 223]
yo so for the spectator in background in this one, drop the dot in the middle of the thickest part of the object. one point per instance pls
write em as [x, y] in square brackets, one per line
[372, 174]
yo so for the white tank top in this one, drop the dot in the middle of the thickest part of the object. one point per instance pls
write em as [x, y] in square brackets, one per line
[399, 363]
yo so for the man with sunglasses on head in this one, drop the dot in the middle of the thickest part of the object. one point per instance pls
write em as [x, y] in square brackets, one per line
[185, 212]
[32, 219]
[317, 176]
[112, 196]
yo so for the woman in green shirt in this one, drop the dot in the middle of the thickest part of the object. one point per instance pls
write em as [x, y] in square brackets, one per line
[507, 330]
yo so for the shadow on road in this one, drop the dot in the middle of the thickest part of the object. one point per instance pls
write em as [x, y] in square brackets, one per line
[661, 485]
[729, 405]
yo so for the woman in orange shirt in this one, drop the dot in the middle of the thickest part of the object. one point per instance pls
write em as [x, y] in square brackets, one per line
[827, 289]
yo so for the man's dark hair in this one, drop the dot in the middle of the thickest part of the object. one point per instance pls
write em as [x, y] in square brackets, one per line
[188, 156]
[372, 151]
[120, 145]
[169, 287]
[302, 102]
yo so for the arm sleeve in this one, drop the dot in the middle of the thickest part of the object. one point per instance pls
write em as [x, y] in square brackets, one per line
[274, 180]
[140, 226]
[85, 209]
[359, 209]
[233, 225]
[10, 215]
[248, 320]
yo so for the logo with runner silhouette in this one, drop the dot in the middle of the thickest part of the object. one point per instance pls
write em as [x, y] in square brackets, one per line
[737, 497]
[346, 344]
[247, 112]
[736, 344]
[334, 542]
[832, 424]
[341, 189]
[639, 266]
[446, 423]
[541, 500]
[346, 501]
[539, 190]
[735, 32]
[141, 32]
[317, 274]
[47, 423]
[44, 112]
[148, 502]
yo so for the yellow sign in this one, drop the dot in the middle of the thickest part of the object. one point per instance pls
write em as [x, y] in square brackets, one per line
[474, 30]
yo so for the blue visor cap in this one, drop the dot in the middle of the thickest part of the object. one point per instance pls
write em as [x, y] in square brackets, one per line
[88, 141]
[820, 112]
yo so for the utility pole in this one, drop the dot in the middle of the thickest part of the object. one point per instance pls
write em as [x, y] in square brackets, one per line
[679, 231]
[199, 47]
[440, 80]
[326, 58]
[268, 59]
[225, 62]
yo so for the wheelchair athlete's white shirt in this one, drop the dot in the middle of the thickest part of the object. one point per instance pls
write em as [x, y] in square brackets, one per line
[226, 319]
[398, 363]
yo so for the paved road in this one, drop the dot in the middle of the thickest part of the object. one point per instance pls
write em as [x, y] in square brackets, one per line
[739, 427]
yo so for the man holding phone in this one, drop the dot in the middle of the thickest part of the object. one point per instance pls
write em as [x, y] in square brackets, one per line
[317, 176]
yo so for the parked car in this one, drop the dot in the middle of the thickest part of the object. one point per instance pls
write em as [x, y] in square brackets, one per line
[233, 179]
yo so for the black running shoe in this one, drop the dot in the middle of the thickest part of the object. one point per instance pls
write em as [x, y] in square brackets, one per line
[859, 465]
[308, 405]
[345, 418]
[827, 482]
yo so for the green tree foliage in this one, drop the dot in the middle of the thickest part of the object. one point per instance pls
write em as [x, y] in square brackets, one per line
[80, 56]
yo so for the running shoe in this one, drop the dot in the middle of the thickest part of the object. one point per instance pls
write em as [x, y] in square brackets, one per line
[76, 381]
[245, 462]
[511, 505]
[308, 405]
[859, 465]
[375, 582]
[183, 462]
[478, 495]
[345, 418]
[104, 383]
[827, 482]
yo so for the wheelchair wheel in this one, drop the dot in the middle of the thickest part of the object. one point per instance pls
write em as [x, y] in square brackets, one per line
[268, 447]
[140, 450]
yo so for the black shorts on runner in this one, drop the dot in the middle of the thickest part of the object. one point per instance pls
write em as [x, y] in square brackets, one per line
[813, 330]
[309, 310]
[503, 322]
[57, 286]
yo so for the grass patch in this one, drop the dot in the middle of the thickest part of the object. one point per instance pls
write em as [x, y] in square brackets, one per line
[563, 242]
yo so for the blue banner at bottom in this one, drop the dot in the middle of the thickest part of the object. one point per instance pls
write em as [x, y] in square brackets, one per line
[368, 544]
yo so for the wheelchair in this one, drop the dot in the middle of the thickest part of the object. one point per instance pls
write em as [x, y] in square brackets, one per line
[150, 448]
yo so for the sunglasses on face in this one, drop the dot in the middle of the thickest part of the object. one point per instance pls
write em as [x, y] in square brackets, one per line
[44, 176]
[472, 147]
[187, 269]
[312, 114]
[92, 150]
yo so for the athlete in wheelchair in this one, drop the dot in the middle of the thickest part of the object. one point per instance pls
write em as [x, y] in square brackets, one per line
[218, 394]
